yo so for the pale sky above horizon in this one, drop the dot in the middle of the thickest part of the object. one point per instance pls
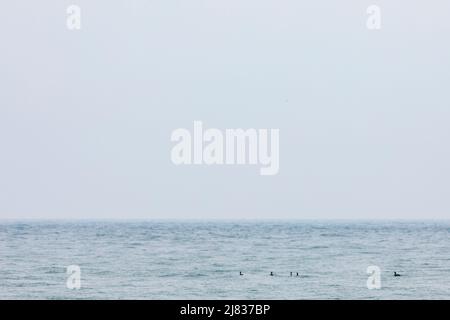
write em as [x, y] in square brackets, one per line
[86, 116]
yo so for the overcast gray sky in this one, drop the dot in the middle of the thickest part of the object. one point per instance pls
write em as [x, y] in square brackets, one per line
[86, 116]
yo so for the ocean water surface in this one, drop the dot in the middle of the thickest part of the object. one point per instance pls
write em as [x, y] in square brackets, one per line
[202, 260]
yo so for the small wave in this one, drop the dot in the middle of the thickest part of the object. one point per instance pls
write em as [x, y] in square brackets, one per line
[318, 247]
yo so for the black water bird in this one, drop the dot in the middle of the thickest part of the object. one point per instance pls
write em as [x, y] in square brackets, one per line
[397, 274]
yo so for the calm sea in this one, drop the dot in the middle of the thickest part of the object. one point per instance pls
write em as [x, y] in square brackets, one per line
[202, 260]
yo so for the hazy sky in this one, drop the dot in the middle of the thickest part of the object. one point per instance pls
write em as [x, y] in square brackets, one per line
[86, 116]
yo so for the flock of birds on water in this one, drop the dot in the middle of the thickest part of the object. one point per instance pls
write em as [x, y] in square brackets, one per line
[272, 274]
